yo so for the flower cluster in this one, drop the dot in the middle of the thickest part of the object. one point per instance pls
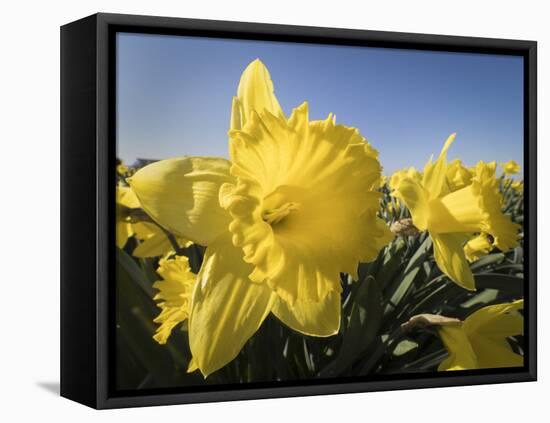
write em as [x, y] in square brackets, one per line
[300, 203]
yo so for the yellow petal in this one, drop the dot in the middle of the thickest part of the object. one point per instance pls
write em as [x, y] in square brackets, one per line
[192, 366]
[123, 232]
[154, 246]
[126, 197]
[182, 196]
[488, 329]
[304, 208]
[311, 318]
[398, 176]
[255, 92]
[510, 167]
[461, 353]
[154, 241]
[518, 186]
[495, 353]
[458, 176]
[481, 341]
[475, 208]
[450, 258]
[499, 320]
[434, 177]
[416, 199]
[478, 247]
[125, 200]
[227, 309]
[122, 169]
[173, 296]
[145, 230]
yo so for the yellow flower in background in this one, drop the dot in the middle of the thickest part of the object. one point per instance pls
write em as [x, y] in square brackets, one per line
[478, 247]
[452, 217]
[510, 167]
[181, 194]
[480, 342]
[295, 207]
[153, 241]
[122, 169]
[458, 176]
[399, 175]
[174, 295]
[517, 186]
[125, 201]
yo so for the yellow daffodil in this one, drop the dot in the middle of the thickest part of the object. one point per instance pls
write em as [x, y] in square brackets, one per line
[122, 169]
[174, 295]
[480, 342]
[308, 213]
[153, 241]
[517, 186]
[126, 200]
[294, 207]
[399, 175]
[510, 167]
[478, 247]
[452, 217]
[458, 176]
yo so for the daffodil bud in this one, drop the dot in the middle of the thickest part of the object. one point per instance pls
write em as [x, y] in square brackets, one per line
[404, 227]
[426, 320]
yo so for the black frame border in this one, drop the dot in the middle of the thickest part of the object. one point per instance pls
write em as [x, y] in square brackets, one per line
[100, 308]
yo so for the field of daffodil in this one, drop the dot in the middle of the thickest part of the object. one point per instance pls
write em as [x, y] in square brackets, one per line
[299, 259]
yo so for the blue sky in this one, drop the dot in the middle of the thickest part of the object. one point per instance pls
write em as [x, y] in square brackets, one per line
[174, 96]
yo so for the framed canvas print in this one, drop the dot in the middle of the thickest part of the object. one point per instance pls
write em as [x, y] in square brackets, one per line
[255, 211]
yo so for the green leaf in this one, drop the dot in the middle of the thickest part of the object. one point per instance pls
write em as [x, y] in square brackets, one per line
[483, 298]
[404, 347]
[489, 260]
[512, 285]
[361, 328]
[134, 272]
[403, 283]
[391, 264]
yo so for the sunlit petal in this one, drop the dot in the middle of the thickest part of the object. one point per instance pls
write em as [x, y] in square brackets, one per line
[304, 208]
[182, 196]
[174, 295]
[154, 241]
[450, 258]
[458, 175]
[477, 247]
[255, 92]
[434, 176]
[511, 167]
[416, 199]
[461, 353]
[311, 318]
[226, 309]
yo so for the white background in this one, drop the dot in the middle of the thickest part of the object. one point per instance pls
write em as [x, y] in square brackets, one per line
[29, 192]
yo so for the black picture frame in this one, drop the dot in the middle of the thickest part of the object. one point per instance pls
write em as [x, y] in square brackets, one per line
[87, 209]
